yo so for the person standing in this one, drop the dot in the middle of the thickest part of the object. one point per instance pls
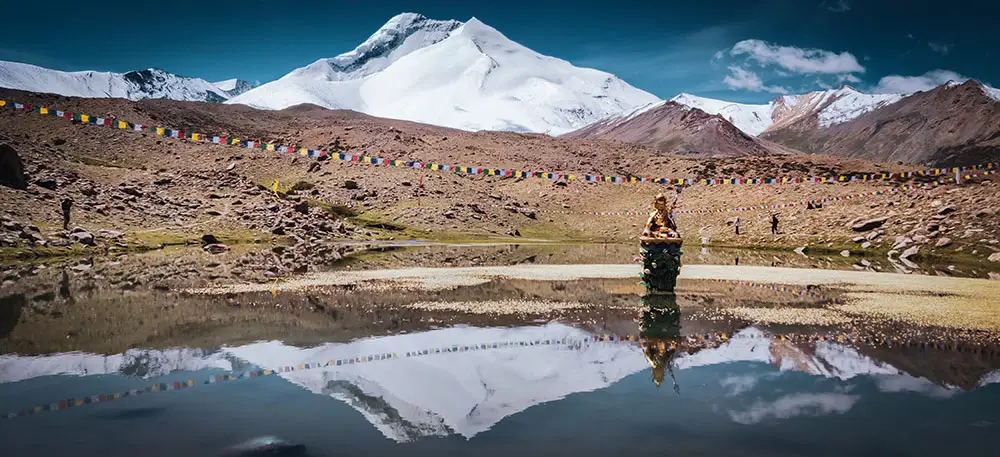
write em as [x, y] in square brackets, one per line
[774, 224]
[737, 225]
[67, 204]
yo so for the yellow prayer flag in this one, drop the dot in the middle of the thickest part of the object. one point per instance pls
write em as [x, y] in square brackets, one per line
[84, 118]
[159, 130]
[274, 187]
[270, 147]
[43, 110]
[572, 177]
[122, 124]
[3, 102]
[196, 136]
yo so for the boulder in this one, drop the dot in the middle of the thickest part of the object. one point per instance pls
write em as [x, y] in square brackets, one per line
[943, 243]
[88, 191]
[302, 207]
[12, 226]
[869, 224]
[133, 191]
[994, 257]
[946, 210]
[47, 183]
[208, 238]
[217, 248]
[109, 234]
[901, 242]
[82, 237]
[349, 184]
[845, 253]
[909, 252]
[866, 245]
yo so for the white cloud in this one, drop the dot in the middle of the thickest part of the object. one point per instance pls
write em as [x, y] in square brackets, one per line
[838, 6]
[797, 60]
[738, 384]
[796, 405]
[940, 48]
[848, 78]
[740, 78]
[897, 84]
[907, 383]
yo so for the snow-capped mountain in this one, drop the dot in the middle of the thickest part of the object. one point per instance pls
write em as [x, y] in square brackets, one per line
[134, 362]
[828, 107]
[751, 119]
[462, 75]
[234, 87]
[953, 124]
[134, 85]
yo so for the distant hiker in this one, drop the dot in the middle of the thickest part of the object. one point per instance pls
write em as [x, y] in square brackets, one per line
[67, 204]
[737, 225]
[774, 224]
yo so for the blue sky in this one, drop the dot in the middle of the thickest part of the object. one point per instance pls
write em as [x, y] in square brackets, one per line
[736, 50]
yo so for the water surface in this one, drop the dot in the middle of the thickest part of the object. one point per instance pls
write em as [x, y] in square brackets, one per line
[502, 366]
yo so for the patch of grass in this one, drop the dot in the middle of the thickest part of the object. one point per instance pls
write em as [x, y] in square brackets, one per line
[339, 210]
[302, 185]
[554, 232]
[23, 252]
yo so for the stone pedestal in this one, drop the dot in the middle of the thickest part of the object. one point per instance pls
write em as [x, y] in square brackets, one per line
[661, 263]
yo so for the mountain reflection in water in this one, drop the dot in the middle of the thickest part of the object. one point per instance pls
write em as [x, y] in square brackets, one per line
[467, 381]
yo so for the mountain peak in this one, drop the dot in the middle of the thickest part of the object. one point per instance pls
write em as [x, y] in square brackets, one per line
[453, 74]
[477, 29]
[401, 35]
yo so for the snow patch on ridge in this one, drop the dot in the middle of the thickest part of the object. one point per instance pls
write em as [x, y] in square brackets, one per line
[134, 362]
[751, 119]
[992, 92]
[134, 85]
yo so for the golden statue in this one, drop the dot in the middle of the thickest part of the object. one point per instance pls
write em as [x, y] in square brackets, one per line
[660, 354]
[661, 224]
[660, 334]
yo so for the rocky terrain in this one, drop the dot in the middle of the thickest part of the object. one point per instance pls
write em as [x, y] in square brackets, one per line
[137, 191]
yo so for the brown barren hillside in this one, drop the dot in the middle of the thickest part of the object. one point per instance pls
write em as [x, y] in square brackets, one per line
[673, 128]
[951, 125]
[155, 189]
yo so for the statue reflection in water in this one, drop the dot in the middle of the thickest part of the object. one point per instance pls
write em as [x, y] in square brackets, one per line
[660, 322]
[660, 334]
